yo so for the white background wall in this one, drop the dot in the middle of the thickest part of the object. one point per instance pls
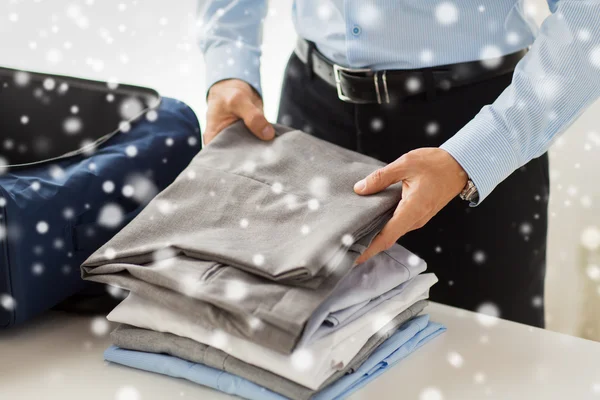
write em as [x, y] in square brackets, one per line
[152, 43]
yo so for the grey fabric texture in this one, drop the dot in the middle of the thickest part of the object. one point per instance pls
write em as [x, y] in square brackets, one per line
[278, 218]
[138, 339]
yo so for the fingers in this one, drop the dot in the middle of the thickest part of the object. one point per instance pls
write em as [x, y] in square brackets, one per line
[382, 178]
[254, 118]
[231, 100]
[406, 218]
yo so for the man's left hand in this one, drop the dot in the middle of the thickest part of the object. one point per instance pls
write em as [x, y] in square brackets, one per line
[430, 177]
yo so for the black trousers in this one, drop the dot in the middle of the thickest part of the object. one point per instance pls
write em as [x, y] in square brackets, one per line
[489, 258]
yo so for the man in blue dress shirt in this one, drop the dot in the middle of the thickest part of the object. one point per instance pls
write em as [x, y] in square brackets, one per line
[461, 97]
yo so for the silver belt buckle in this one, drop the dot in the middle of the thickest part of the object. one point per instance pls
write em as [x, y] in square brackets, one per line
[337, 69]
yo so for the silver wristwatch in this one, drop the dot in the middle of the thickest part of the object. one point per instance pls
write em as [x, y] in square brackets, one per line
[469, 193]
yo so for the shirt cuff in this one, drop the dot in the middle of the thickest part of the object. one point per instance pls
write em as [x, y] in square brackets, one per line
[482, 148]
[232, 62]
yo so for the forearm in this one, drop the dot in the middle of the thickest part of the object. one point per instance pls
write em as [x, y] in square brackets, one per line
[230, 37]
[553, 84]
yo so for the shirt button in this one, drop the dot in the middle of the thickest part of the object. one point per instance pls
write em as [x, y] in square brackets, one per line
[356, 30]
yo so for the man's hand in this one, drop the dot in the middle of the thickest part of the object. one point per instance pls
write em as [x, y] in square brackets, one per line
[430, 177]
[231, 100]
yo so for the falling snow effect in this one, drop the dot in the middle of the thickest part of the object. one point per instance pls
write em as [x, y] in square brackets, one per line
[291, 201]
[488, 314]
[455, 359]
[58, 243]
[446, 13]
[277, 188]
[254, 323]
[376, 124]
[593, 272]
[249, 166]
[7, 302]
[49, 84]
[432, 128]
[110, 253]
[431, 393]
[491, 57]
[68, 213]
[140, 188]
[110, 215]
[37, 269]
[236, 290]
[42, 227]
[128, 191]
[258, 259]
[125, 126]
[479, 378]
[99, 326]
[313, 204]
[130, 108]
[244, 223]
[116, 292]
[302, 360]
[22, 78]
[72, 125]
[413, 85]
[165, 207]
[368, 15]
[479, 257]
[128, 393]
[525, 229]
[305, 229]
[347, 240]
[218, 339]
[413, 260]
[108, 186]
[131, 151]
[319, 187]
[590, 238]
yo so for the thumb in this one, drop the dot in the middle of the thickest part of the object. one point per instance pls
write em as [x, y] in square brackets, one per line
[380, 179]
[254, 119]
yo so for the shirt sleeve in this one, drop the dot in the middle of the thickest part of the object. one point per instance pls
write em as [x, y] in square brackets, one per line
[552, 85]
[230, 36]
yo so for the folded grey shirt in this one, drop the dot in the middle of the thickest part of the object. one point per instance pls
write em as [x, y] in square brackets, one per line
[251, 230]
[133, 338]
[284, 209]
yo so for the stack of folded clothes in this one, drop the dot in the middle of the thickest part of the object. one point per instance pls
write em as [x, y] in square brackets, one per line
[242, 278]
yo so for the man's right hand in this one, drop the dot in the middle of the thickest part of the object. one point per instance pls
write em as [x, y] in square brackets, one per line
[231, 100]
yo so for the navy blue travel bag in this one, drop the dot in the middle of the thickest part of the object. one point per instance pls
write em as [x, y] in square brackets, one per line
[75, 167]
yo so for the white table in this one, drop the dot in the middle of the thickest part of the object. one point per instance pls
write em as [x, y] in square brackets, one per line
[58, 357]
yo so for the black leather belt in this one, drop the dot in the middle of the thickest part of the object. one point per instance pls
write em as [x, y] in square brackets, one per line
[363, 85]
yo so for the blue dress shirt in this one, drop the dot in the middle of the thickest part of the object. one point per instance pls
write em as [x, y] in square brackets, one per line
[552, 85]
[412, 335]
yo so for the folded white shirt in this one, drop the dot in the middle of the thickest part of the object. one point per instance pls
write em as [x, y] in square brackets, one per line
[310, 365]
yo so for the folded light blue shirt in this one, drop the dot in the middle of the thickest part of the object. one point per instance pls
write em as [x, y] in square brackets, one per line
[412, 335]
